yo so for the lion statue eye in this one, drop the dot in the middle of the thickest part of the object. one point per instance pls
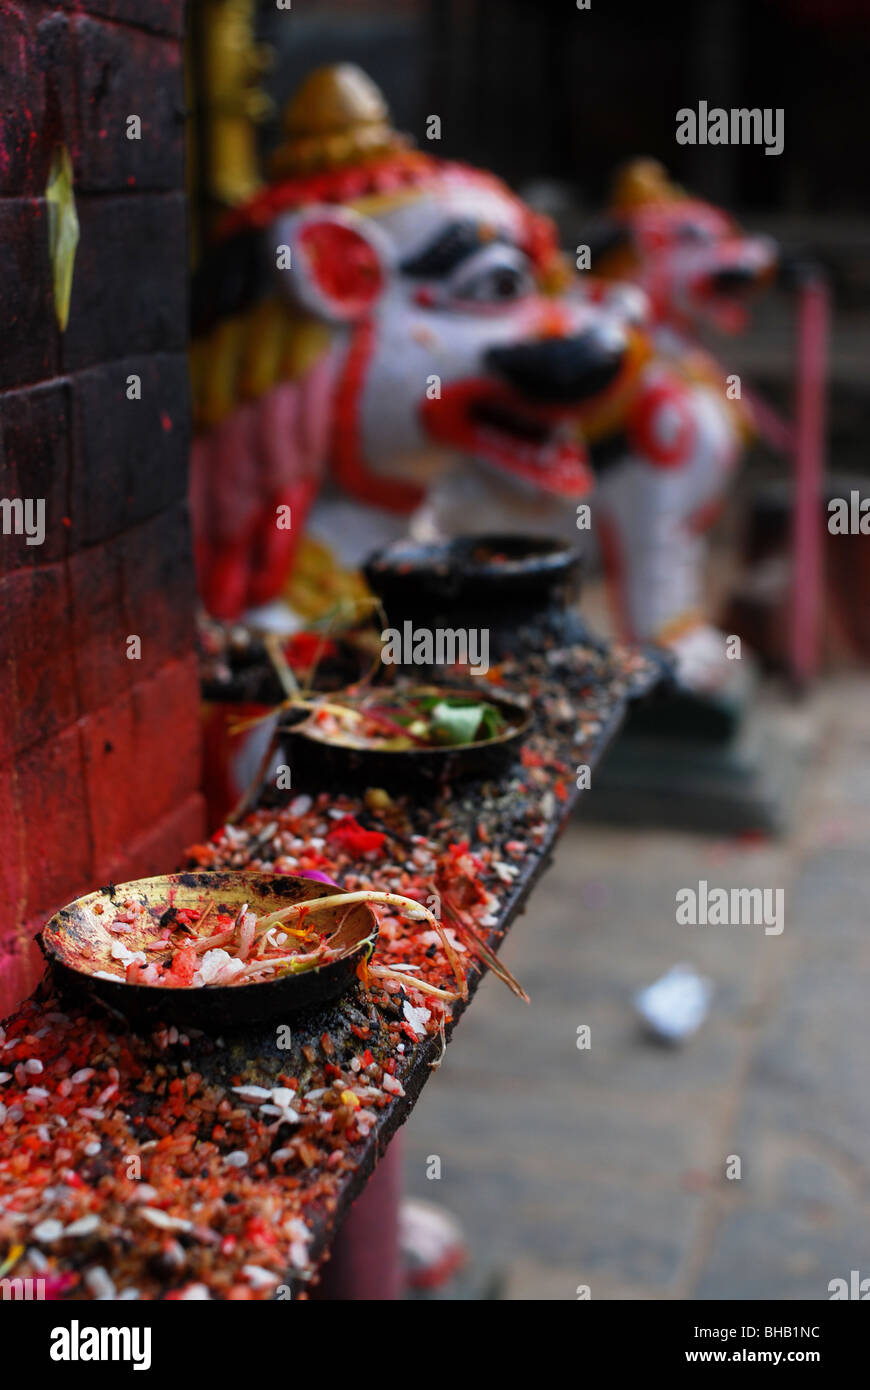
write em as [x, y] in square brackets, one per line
[690, 232]
[499, 283]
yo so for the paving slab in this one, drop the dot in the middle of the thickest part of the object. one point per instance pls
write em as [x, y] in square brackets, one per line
[607, 1166]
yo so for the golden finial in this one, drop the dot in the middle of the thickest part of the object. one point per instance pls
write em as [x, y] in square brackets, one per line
[642, 181]
[338, 116]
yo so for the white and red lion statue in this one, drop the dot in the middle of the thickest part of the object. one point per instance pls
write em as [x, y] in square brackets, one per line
[384, 339]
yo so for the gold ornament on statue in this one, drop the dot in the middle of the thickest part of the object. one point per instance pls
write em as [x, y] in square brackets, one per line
[641, 182]
[337, 117]
[226, 66]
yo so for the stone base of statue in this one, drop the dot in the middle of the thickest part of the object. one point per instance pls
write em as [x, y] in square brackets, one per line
[728, 764]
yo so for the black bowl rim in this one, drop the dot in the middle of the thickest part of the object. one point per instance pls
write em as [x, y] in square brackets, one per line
[430, 557]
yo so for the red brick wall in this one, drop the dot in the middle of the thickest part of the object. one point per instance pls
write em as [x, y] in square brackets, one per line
[99, 754]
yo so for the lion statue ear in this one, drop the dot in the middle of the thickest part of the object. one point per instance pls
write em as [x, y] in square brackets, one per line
[332, 262]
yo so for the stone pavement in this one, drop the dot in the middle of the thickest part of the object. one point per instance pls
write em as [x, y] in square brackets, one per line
[607, 1167]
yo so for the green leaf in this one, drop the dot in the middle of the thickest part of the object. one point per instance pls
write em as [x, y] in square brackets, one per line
[492, 722]
[454, 723]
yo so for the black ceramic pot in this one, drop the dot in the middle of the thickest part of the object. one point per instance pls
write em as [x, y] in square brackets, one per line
[508, 578]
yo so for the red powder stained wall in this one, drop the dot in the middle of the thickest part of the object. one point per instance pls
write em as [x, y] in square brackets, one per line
[99, 754]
